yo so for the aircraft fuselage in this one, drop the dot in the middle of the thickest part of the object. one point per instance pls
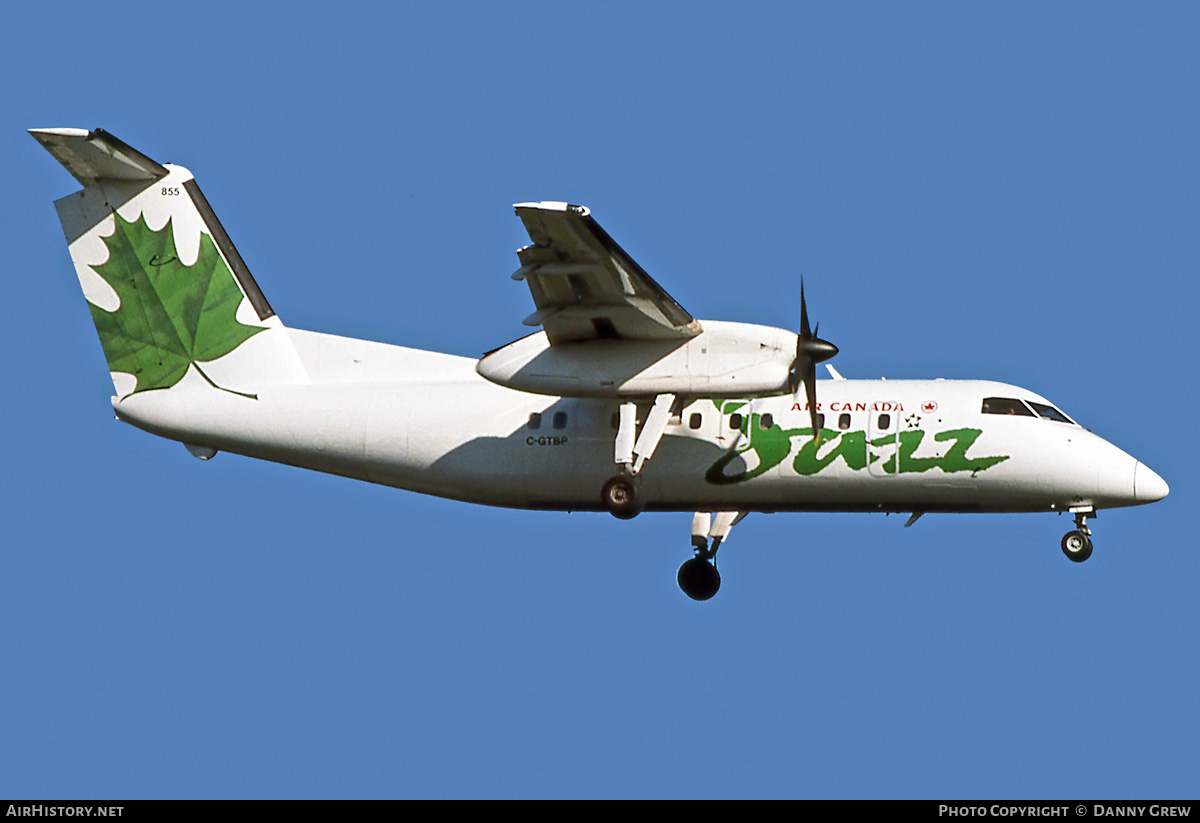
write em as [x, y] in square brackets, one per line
[567, 418]
[426, 422]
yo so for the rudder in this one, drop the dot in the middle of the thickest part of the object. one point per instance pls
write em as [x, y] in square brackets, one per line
[168, 291]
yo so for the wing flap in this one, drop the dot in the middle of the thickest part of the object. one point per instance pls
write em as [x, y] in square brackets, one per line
[585, 286]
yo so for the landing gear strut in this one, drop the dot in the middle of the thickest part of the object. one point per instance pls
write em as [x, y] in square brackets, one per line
[1077, 545]
[631, 451]
[698, 577]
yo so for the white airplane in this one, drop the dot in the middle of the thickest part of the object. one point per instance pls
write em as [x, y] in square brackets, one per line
[622, 402]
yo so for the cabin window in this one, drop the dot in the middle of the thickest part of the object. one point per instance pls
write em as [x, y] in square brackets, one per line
[535, 420]
[885, 422]
[820, 421]
[766, 421]
[844, 421]
[695, 420]
[560, 420]
[1005, 405]
[735, 421]
[1050, 413]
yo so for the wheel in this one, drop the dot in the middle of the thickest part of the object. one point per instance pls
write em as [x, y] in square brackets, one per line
[699, 579]
[1077, 546]
[621, 498]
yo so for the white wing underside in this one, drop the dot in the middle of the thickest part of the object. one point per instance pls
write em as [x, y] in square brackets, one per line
[585, 286]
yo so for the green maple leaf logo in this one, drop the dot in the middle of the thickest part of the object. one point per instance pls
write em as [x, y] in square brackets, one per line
[172, 316]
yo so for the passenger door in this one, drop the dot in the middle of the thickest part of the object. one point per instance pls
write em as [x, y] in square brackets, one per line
[883, 439]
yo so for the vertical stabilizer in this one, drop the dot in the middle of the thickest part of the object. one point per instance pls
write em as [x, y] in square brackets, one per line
[172, 300]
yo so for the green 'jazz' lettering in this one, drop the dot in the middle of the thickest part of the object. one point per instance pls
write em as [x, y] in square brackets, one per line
[851, 447]
[956, 459]
[770, 447]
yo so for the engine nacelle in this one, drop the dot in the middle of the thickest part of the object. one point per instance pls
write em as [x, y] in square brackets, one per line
[736, 360]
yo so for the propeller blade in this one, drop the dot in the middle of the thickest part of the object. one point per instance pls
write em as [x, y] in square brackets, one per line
[810, 350]
[810, 389]
[805, 332]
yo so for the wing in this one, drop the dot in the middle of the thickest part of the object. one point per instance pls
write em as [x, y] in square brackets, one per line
[585, 286]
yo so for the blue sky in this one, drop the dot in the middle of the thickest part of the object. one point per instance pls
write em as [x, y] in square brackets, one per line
[970, 190]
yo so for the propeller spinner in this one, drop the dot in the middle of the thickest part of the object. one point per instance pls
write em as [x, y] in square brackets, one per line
[810, 350]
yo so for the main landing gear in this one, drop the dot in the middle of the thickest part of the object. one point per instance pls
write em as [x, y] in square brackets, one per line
[621, 497]
[1077, 544]
[631, 451]
[698, 577]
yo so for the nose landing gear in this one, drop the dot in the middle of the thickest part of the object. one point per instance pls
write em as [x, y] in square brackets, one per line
[1077, 544]
[698, 577]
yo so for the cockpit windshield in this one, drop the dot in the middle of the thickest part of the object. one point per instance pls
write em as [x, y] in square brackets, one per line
[1050, 413]
[1005, 405]
[1023, 408]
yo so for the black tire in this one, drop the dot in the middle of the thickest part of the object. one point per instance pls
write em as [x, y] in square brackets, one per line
[699, 579]
[620, 497]
[1077, 546]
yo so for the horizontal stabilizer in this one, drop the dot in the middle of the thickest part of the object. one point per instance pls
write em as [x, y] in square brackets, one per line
[172, 300]
[97, 155]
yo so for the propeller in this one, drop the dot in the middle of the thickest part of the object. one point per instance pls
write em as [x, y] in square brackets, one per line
[810, 350]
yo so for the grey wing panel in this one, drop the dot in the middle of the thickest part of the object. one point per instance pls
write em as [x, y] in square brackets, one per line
[97, 155]
[585, 286]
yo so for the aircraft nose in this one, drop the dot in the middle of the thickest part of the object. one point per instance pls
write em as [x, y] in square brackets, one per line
[1148, 486]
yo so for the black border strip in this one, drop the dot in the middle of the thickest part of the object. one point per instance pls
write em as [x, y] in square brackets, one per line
[240, 270]
[674, 312]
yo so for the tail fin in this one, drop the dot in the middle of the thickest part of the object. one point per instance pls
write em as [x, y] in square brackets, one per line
[169, 293]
